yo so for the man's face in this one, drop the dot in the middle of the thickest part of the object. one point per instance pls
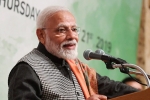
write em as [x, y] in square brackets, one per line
[135, 85]
[61, 37]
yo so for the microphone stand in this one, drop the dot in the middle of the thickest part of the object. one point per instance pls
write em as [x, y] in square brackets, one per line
[135, 67]
[137, 73]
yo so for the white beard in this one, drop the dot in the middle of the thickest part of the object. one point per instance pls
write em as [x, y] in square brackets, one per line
[58, 50]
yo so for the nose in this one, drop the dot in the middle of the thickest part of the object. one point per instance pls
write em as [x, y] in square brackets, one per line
[71, 35]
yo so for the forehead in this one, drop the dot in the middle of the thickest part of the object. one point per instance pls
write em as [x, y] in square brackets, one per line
[61, 18]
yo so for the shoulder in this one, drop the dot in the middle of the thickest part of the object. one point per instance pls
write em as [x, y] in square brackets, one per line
[21, 69]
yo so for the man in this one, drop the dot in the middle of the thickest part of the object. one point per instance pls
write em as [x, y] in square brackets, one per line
[52, 71]
[130, 81]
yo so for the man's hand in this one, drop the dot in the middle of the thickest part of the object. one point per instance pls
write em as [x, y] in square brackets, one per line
[97, 97]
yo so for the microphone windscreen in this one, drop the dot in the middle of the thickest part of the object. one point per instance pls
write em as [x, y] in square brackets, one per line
[86, 54]
[100, 51]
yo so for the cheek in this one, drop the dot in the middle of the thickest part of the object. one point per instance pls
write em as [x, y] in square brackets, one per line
[77, 39]
[57, 40]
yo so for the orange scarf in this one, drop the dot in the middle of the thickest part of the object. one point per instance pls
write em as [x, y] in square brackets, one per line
[85, 76]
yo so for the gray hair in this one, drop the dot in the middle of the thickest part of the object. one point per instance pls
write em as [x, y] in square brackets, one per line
[46, 13]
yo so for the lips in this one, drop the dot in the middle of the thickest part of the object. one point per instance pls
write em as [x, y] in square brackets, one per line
[69, 46]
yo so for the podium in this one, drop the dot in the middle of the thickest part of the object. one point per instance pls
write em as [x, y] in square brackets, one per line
[141, 95]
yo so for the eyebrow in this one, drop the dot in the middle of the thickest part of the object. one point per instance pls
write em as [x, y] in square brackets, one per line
[64, 25]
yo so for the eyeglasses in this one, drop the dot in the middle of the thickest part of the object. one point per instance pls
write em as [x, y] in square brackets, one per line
[63, 30]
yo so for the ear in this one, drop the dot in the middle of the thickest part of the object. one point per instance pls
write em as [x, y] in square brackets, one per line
[41, 35]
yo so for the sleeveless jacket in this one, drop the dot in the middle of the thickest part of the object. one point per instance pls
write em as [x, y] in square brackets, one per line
[56, 86]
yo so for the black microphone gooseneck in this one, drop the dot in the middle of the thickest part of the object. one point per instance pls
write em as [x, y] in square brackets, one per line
[109, 63]
[100, 55]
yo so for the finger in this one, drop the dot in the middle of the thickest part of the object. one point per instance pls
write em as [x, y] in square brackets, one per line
[102, 97]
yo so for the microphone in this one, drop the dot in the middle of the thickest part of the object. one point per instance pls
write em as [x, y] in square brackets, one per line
[99, 55]
[100, 51]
